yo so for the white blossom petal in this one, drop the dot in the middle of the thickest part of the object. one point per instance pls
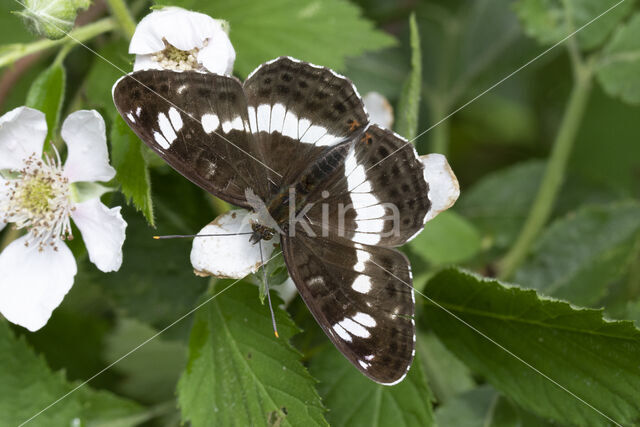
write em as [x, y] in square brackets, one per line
[34, 283]
[145, 62]
[22, 133]
[229, 256]
[443, 184]
[4, 194]
[85, 135]
[379, 109]
[182, 28]
[103, 232]
[218, 56]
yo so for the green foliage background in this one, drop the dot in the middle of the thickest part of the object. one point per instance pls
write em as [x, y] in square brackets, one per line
[549, 166]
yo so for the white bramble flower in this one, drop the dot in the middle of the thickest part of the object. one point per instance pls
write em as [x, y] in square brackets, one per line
[230, 256]
[41, 195]
[379, 109]
[176, 39]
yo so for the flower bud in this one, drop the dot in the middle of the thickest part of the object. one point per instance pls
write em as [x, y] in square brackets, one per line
[52, 19]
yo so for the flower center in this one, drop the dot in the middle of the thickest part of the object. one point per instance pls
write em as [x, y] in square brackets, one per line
[39, 199]
[178, 60]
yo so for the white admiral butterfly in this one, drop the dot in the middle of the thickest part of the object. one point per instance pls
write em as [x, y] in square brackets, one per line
[295, 134]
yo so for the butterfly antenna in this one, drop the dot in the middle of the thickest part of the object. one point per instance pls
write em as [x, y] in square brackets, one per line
[266, 283]
[185, 236]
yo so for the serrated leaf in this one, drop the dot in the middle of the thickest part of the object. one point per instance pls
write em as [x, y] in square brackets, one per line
[47, 94]
[409, 103]
[579, 255]
[619, 66]
[449, 238]
[131, 168]
[499, 203]
[28, 386]
[261, 30]
[354, 400]
[238, 373]
[595, 359]
[550, 21]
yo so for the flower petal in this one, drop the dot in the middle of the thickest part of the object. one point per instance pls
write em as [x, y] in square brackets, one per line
[34, 283]
[4, 195]
[182, 28]
[85, 135]
[443, 184]
[379, 109]
[145, 62]
[229, 256]
[103, 232]
[218, 56]
[22, 133]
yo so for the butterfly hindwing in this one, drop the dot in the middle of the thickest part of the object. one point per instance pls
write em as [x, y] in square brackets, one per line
[379, 196]
[297, 110]
[362, 297]
[197, 123]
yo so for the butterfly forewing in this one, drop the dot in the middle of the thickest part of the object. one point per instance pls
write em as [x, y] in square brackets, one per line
[379, 196]
[199, 124]
[362, 298]
[297, 111]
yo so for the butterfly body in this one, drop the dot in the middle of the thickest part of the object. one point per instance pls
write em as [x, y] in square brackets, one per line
[294, 144]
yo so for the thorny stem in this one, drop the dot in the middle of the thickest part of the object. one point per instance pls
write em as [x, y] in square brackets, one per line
[122, 15]
[81, 34]
[554, 173]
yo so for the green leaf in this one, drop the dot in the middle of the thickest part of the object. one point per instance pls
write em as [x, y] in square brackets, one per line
[354, 400]
[322, 32]
[409, 103]
[28, 386]
[579, 255]
[155, 385]
[485, 407]
[113, 63]
[447, 375]
[238, 373]
[597, 360]
[47, 94]
[131, 168]
[619, 66]
[499, 203]
[447, 239]
[550, 21]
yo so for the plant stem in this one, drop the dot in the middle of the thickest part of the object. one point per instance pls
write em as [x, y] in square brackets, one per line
[122, 15]
[440, 137]
[554, 174]
[81, 34]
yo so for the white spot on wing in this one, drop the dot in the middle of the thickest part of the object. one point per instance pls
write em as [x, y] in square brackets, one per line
[210, 123]
[277, 118]
[264, 117]
[354, 328]
[362, 284]
[313, 134]
[235, 124]
[290, 126]
[303, 126]
[328, 140]
[365, 320]
[166, 128]
[161, 141]
[131, 118]
[176, 119]
[366, 238]
[363, 256]
[341, 332]
[252, 120]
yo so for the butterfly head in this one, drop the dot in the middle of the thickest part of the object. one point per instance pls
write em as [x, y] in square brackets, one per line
[261, 232]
